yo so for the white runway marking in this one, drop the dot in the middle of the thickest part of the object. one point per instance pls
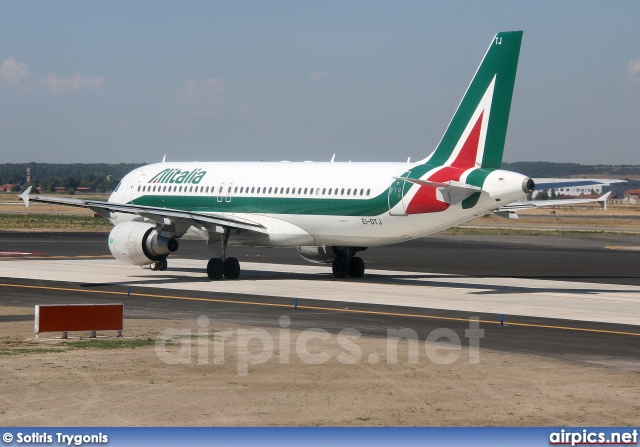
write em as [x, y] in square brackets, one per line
[511, 296]
[623, 247]
[15, 253]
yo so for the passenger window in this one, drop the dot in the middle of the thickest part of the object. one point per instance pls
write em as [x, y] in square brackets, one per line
[368, 191]
[236, 189]
[164, 189]
[269, 189]
[342, 192]
[311, 191]
[324, 190]
[253, 189]
[154, 189]
[348, 191]
[361, 191]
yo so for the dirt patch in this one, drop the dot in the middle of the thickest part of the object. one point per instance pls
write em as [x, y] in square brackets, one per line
[54, 383]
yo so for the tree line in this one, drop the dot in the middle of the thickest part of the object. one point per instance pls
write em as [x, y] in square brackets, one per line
[100, 177]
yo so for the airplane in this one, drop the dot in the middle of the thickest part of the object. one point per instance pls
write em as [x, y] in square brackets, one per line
[328, 211]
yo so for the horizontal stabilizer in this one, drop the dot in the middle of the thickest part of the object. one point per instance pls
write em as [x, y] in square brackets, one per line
[451, 192]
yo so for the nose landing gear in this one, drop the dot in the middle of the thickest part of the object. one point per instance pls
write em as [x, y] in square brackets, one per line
[159, 265]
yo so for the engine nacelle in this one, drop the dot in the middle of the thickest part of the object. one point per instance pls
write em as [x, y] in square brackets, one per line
[139, 243]
[324, 254]
[528, 186]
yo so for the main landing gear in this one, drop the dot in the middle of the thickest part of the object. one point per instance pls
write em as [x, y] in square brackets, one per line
[159, 265]
[222, 266]
[217, 268]
[344, 266]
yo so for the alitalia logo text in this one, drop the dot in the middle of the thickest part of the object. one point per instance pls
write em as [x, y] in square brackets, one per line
[178, 176]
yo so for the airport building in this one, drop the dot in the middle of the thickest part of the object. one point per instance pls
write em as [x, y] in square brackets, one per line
[619, 189]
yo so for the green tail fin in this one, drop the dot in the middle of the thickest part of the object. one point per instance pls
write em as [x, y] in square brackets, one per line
[488, 96]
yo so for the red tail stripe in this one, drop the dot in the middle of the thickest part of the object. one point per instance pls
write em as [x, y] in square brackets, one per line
[467, 157]
[425, 200]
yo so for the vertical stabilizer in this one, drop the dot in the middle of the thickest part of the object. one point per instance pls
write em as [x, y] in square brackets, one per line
[476, 134]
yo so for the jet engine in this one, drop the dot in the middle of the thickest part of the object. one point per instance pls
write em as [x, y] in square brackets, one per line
[139, 243]
[324, 254]
[528, 186]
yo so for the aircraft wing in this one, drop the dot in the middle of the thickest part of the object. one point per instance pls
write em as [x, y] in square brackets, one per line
[554, 183]
[164, 216]
[510, 209]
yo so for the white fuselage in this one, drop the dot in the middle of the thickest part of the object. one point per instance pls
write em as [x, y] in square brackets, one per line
[304, 204]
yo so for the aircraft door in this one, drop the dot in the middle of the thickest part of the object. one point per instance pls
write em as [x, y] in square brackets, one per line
[131, 186]
[229, 191]
[221, 192]
[396, 195]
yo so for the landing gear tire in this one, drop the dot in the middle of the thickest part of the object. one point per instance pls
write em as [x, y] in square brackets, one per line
[159, 265]
[341, 267]
[356, 267]
[231, 268]
[215, 269]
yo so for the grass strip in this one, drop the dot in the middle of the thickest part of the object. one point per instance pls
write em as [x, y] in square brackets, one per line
[53, 222]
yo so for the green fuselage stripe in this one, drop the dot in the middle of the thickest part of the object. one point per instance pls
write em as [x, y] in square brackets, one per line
[270, 205]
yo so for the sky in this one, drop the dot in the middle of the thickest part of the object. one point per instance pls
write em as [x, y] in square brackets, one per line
[131, 81]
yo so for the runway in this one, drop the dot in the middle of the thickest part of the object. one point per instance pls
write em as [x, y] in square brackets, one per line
[582, 301]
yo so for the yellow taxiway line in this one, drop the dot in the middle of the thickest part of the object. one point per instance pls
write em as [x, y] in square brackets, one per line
[322, 308]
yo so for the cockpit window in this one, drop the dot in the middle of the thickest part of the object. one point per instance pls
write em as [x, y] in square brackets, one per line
[117, 187]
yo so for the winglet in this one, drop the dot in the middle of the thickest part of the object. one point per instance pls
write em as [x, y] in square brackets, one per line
[602, 201]
[164, 159]
[25, 196]
[333, 159]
